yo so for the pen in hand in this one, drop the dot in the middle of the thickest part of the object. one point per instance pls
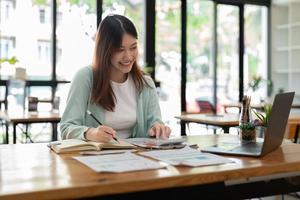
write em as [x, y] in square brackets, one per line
[91, 114]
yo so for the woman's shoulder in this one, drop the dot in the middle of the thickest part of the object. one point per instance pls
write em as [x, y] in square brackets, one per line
[84, 73]
[149, 80]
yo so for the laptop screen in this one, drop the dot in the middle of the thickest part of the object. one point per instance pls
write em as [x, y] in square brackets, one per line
[277, 122]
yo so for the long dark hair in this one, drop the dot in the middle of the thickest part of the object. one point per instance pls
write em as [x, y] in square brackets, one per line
[108, 40]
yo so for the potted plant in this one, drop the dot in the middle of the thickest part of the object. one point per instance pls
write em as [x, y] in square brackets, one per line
[13, 60]
[6, 63]
[247, 132]
[262, 119]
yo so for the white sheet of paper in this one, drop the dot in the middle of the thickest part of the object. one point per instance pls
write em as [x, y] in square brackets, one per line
[186, 156]
[124, 162]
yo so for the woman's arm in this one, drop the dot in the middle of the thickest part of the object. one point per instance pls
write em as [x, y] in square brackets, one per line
[155, 124]
[153, 111]
[72, 124]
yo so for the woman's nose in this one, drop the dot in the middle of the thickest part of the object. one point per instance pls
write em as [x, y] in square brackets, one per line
[128, 54]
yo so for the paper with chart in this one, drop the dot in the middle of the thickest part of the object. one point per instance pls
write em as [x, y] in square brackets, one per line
[186, 156]
[123, 162]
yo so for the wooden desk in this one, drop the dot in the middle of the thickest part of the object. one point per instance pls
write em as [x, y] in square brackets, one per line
[295, 120]
[32, 171]
[16, 118]
[256, 106]
[224, 121]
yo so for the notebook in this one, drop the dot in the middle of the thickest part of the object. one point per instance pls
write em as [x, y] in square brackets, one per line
[71, 145]
[273, 136]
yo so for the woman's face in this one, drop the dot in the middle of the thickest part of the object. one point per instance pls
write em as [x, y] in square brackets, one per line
[124, 57]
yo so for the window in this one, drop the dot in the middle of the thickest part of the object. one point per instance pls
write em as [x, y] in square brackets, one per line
[228, 53]
[59, 18]
[255, 54]
[31, 45]
[42, 16]
[44, 13]
[168, 60]
[200, 69]
[7, 50]
[44, 51]
[7, 47]
[76, 27]
[6, 9]
[75, 37]
[134, 9]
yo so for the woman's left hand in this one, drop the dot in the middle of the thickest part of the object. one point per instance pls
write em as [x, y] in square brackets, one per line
[159, 130]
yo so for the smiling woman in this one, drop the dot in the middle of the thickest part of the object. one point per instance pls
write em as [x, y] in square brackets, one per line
[124, 58]
[115, 89]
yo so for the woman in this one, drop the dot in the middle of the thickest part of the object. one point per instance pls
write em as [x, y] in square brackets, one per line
[114, 90]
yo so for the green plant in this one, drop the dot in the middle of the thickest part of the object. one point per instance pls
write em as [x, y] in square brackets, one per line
[264, 117]
[255, 83]
[247, 126]
[247, 131]
[258, 81]
[13, 60]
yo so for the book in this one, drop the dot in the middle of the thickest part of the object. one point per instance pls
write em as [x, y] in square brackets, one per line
[71, 145]
[152, 143]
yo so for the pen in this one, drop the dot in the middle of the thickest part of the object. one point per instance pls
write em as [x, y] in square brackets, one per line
[91, 114]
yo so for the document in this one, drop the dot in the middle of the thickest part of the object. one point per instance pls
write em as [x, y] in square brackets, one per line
[186, 156]
[152, 143]
[117, 163]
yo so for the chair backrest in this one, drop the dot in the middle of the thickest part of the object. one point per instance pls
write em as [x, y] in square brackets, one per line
[205, 106]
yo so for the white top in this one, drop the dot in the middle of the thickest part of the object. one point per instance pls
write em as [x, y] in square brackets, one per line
[123, 118]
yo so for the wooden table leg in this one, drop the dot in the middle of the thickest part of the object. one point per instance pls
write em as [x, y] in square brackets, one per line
[14, 133]
[6, 133]
[54, 131]
[183, 131]
[296, 133]
[226, 129]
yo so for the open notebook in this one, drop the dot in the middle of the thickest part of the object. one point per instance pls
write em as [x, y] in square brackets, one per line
[71, 145]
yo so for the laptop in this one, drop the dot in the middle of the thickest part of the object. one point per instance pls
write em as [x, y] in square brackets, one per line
[273, 136]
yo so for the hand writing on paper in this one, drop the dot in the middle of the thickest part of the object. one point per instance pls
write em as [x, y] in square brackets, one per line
[100, 134]
[160, 131]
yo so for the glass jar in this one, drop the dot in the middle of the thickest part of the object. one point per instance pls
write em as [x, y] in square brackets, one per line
[245, 115]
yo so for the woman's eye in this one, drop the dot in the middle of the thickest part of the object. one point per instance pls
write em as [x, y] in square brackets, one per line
[133, 48]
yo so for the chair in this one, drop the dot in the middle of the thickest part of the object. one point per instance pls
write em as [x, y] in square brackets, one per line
[205, 107]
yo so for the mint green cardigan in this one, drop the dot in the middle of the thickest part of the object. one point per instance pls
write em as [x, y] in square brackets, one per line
[75, 121]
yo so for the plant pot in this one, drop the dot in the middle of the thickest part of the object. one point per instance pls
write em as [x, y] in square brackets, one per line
[247, 135]
[261, 131]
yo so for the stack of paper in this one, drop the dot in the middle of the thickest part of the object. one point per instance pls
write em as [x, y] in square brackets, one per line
[187, 157]
[123, 162]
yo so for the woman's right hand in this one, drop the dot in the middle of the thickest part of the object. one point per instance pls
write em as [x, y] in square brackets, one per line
[100, 134]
